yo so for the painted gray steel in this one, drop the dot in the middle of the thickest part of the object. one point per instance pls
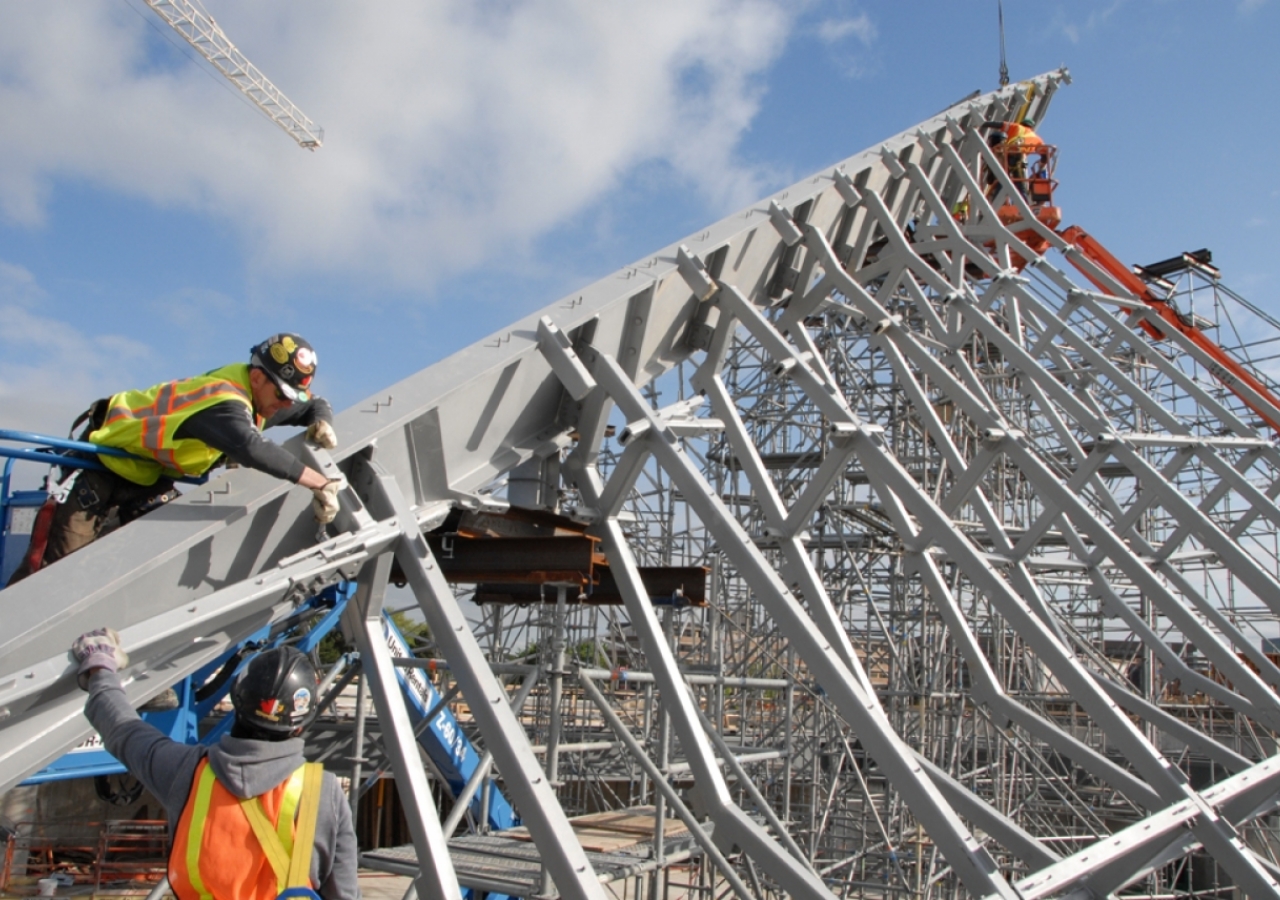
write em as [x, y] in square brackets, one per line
[1010, 381]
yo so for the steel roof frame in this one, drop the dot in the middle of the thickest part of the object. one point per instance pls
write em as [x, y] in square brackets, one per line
[196, 576]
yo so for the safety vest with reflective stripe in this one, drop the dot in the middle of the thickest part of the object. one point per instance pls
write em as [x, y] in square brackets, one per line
[144, 423]
[1017, 135]
[220, 853]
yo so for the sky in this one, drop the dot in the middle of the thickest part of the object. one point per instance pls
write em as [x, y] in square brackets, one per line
[483, 158]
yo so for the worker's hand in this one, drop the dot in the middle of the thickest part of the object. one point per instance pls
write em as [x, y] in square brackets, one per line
[321, 434]
[324, 500]
[98, 649]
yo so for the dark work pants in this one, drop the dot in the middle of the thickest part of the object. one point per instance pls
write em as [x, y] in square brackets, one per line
[99, 498]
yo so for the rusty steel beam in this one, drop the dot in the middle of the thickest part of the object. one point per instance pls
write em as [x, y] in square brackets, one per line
[665, 585]
[569, 559]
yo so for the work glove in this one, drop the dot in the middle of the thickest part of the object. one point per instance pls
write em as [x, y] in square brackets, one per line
[324, 500]
[321, 434]
[98, 649]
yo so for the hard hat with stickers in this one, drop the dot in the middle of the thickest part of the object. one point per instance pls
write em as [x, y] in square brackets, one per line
[275, 693]
[290, 361]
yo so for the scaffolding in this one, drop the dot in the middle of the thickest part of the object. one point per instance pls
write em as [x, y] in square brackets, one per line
[890, 561]
[783, 743]
[778, 730]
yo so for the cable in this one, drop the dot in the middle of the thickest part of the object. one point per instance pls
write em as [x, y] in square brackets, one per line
[1004, 68]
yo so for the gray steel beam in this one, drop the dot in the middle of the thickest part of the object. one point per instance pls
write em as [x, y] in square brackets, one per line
[504, 737]
[969, 859]
[187, 581]
[363, 620]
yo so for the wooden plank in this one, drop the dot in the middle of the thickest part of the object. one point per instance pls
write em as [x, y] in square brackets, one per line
[602, 840]
[638, 820]
[607, 831]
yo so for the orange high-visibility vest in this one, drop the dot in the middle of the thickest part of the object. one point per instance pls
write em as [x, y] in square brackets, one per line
[219, 853]
[144, 423]
[1017, 135]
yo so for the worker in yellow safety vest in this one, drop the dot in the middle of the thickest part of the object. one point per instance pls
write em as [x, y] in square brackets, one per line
[251, 819]
[185, 428]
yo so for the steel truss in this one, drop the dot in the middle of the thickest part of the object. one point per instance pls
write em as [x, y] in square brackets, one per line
[991, 568]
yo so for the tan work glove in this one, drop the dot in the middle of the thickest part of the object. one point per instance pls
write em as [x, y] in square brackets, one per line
[324, 501]
[98, 649]
[321, 434]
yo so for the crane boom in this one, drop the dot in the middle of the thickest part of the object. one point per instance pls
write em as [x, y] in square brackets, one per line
[202, 33]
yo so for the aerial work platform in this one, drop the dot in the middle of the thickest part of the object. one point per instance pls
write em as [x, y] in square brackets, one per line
[978, 561]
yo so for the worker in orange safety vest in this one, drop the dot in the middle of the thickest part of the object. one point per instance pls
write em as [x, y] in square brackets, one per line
[1016, 135]
[1016, 139]
[251, 819]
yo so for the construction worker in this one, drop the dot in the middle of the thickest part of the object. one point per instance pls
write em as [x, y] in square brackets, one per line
[185, 428]
[1014, 140]
[1015, 135]
[225, 803]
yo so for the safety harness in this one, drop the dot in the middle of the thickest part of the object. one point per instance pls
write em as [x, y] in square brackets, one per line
[286, 850]
[59, 489]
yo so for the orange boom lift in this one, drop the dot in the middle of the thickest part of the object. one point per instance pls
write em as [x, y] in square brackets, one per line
[1034, 180]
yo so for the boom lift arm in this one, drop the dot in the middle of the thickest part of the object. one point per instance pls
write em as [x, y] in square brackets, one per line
[1227, 369]
[1035, 184]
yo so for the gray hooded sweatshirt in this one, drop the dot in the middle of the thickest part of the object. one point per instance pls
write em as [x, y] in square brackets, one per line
[244, 767]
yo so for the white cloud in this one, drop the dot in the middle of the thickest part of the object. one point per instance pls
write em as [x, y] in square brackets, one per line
[50, 370]
[455, 132]
[17, 285]
[832, 31]
[1074, 30]
[848, 40]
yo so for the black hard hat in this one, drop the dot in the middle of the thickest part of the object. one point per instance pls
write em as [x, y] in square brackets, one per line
[1029, 123]
[290, 361]
[276, 692]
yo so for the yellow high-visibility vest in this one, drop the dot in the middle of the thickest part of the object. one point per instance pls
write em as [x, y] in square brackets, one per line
[144, 423]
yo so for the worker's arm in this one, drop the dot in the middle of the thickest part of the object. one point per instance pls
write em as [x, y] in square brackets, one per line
[998, 132]
[317, 409]
[228, 428]
[316, 414]
[165, 766]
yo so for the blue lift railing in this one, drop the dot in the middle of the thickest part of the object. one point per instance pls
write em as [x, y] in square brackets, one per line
[53, 451]
[14, 545]
[46, 447]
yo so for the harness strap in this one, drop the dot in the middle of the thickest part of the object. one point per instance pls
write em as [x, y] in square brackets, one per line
[289, 854]
[204, 790]
[308, 815]
[40, 535]
[92, 415]
[289, 810]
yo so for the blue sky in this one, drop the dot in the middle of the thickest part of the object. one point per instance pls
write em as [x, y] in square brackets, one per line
[485, 157]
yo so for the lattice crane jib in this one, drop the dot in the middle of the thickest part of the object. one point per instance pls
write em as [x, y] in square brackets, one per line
[199, 30]
[991, 559]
